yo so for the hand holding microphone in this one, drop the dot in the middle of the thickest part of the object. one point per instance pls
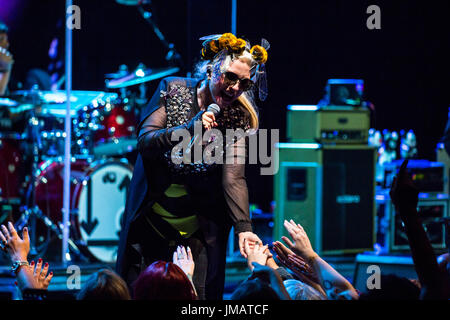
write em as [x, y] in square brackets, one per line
[209, 121]
[209, 116]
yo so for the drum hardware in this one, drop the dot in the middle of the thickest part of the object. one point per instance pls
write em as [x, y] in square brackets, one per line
[36, 143]
[101, 121]
[98, 194]
[33, 213]
[172, 56]
[140, 76]
[7, 102]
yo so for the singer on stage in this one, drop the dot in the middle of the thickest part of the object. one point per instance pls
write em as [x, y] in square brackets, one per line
[194, 204]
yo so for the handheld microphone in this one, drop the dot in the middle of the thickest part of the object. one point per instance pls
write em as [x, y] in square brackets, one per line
[215, 109]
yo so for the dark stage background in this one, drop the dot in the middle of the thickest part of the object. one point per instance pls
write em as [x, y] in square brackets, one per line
[404, 65]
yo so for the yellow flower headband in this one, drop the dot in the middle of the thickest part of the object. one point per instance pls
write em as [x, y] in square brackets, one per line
[216, 43]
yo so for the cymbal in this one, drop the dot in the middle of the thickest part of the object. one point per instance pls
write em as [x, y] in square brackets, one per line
[116, 75]
[129, 2]
[6, 102]
[140, 76]
[16, 107]
[53, 103]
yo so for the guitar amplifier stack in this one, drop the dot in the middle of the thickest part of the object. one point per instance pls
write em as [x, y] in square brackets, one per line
[336, 125]
[326, 178]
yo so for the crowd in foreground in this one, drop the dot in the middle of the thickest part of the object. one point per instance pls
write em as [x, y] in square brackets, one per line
[291, 272]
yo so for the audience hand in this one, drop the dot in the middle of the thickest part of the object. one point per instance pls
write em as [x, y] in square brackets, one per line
[256, 254]
[301, 245]
[297, 265]
[403, 193]
[6, 60]
[184, 260]
[251, 238]
[16, 247]
[34, 276]
[282, 252]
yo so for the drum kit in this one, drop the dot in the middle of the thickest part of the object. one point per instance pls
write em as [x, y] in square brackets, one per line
[31, 168]
[103, 149]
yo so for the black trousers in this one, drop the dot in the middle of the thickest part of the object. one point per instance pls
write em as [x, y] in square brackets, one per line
[208, 247]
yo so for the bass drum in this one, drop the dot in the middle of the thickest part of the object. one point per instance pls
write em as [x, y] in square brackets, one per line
[98, 195]
[100, 203]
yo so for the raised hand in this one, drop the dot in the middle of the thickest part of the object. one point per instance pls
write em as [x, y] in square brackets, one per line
[301, 245]
[403, 193]
[42, 280]
[16, 247]
[302, 269]
[292, 261]
[183, 258]
[297, 265]
[34, 276]
[282, 252]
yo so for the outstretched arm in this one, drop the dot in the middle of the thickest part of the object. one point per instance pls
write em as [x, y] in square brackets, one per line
[334, 284]
[28, 276]
[236, 195]
[404, 195]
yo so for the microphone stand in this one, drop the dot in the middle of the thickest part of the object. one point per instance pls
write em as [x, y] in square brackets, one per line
[173, 57]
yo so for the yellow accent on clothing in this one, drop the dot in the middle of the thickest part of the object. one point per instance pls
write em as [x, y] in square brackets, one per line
[186, 226]
[175, 191]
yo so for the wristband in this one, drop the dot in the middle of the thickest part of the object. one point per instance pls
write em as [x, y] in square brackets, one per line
[17, 264]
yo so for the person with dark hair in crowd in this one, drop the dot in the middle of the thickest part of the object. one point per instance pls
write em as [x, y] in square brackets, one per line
[194, 203]
[167, 280]
[104, 284]
[262, 285]
[6, 58]
[392, 287]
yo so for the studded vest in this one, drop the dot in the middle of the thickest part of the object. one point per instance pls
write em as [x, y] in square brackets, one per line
[179, 101]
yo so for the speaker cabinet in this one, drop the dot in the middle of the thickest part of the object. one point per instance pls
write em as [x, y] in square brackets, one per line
[330, 191]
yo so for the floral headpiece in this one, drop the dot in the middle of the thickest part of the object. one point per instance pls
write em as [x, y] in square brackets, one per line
[228, 44]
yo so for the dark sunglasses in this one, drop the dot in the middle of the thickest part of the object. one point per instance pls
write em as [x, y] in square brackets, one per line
[231, 79]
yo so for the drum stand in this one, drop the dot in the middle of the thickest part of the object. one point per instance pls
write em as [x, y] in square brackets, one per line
[31, 212]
